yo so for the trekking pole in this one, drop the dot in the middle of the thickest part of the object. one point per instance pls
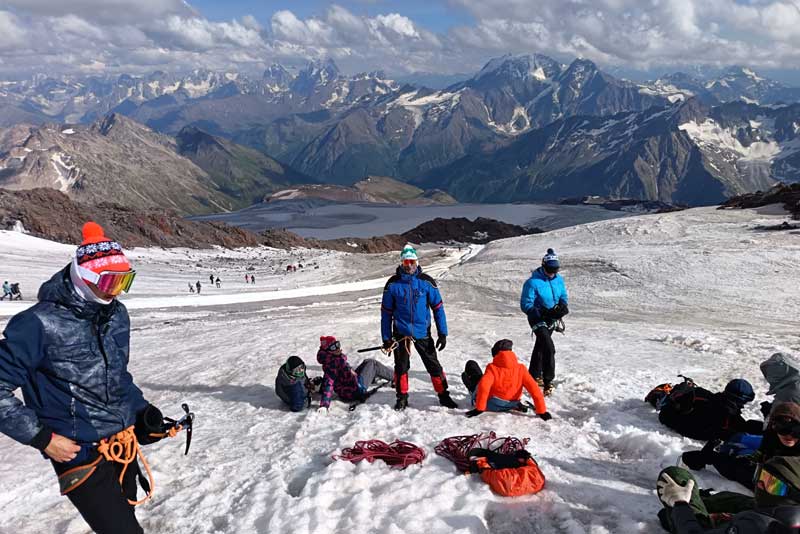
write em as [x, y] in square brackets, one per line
[370, 349]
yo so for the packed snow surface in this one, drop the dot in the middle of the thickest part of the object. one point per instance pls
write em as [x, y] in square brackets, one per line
[699, 292]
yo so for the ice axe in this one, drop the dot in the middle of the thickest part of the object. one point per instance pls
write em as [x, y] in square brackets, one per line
[172, 426]
[380, 348]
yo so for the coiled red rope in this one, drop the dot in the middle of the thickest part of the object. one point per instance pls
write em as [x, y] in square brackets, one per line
[397, 454]
[456, 448]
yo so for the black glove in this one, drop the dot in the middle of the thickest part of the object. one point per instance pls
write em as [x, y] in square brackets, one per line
[559, 311]
[545, 416]
[547, 314]
[148, 421]
[441, 342]
[473, 413]
[387, 344]
[766, 407]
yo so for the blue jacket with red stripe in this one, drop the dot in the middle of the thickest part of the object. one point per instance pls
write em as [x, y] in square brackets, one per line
[407, 299]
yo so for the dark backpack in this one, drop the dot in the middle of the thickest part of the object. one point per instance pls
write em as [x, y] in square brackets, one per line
[680, 397]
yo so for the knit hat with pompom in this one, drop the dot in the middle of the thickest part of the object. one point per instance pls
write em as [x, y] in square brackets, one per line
[99, 253]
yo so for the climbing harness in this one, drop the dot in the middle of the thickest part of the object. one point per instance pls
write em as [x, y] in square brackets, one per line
[397, 454]
[123, 448]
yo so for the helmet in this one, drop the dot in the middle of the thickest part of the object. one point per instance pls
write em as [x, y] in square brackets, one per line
[550, 262]
[740, 390]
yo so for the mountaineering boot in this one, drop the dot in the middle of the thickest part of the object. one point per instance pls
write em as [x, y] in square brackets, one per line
[548, 389]
[520, 407]
[697, 460]
[446, 401]
[402, 403]
[540, 382]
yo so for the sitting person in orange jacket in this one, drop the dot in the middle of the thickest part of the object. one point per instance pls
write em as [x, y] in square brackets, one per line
[500, 388]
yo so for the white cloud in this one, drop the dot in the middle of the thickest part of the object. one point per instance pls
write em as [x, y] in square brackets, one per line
[11, 33]
[136, 34]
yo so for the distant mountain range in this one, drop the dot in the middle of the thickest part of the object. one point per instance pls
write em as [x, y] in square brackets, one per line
[524, 127]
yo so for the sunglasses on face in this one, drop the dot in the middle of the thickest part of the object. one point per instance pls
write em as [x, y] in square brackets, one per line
[333, 347]
[787, 427]
[409, 263]
[550, 270]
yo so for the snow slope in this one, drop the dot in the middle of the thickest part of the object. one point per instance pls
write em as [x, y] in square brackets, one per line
[698, 292]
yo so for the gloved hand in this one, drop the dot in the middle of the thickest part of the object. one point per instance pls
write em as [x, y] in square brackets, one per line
[766, 407]
[671, 493]
[148, 421]
[441, 342]
[387, 344]
[473, 413]
[545, 416]
[559, 311]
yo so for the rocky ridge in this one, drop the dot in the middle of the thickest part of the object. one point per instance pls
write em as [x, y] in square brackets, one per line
[50, 214]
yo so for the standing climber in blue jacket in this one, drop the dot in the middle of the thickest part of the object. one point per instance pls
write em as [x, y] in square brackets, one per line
[408, 297]
[544, 301]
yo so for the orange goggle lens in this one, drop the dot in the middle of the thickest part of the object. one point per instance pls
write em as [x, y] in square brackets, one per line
[409, 262]
[115, 283]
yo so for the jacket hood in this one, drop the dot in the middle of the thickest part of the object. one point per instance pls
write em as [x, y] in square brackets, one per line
[505, 359]
[59, 290]
[781, 371]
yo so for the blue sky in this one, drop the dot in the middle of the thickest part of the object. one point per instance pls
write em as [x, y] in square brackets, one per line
[398, 37]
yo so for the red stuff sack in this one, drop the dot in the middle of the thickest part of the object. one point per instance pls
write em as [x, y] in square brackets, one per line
[509, 475]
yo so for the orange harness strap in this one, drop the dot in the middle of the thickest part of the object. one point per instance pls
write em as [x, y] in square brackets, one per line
[123, 448]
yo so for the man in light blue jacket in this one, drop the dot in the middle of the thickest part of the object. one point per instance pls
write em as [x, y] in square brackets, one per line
[544, 301]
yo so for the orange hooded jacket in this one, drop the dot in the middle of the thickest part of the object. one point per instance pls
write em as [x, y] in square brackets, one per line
[504, 378]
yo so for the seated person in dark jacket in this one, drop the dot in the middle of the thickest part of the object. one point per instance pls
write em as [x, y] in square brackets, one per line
[781, 438]
[774, 509]
[291, 383]
[712, 415]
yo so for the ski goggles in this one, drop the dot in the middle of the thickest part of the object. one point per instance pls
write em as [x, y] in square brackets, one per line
[786, 427]
[772, 484]
[409, 263]
[333, 347]
[110, 282]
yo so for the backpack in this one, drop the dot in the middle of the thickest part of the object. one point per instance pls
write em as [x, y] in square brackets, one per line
[510, 474]
[680, 397]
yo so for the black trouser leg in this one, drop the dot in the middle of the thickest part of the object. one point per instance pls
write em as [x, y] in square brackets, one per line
[738, 469]
[401, 365]
[427, 351]
[370, 369]
[543, 358]
[103, 503]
